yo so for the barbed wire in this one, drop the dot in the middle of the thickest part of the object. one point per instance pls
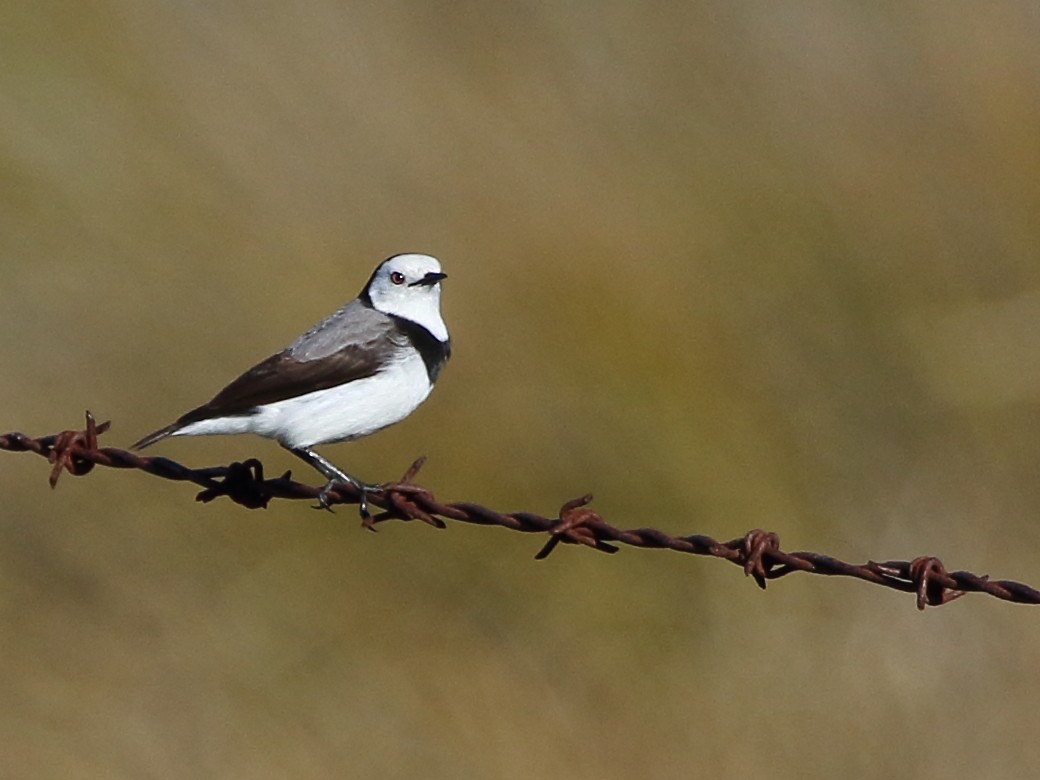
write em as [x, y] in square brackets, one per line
[758, 552]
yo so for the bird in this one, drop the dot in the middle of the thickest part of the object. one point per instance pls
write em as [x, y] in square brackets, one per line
[366, 366]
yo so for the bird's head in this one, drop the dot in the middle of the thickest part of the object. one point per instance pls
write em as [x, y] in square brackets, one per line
[409, 286]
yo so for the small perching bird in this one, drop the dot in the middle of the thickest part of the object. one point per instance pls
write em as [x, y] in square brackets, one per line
[366, 366]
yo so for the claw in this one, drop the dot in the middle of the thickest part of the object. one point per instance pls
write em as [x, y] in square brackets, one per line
[363, 489]
[323, 497]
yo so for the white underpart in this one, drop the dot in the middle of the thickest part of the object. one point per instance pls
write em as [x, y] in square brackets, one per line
[341, 413]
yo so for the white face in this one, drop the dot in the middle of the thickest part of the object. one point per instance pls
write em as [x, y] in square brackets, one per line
[409, 286]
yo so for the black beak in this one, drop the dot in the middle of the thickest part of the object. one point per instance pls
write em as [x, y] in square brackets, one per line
[429, 280]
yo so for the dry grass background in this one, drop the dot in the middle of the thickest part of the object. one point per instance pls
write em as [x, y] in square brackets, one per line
[725, 265]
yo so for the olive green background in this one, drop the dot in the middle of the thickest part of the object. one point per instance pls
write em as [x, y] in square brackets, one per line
[725, 265]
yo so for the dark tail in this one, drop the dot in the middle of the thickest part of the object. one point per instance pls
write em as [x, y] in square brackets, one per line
[155, 436]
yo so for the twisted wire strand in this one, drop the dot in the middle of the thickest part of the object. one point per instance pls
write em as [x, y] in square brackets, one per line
[757, 552]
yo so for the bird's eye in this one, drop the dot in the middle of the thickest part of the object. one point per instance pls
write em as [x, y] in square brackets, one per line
[397, 277]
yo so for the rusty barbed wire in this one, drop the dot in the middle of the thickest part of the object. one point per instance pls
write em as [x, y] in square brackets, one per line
[758, 552]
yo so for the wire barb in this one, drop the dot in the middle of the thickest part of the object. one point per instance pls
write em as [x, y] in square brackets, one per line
[757, 546]
[758, 552]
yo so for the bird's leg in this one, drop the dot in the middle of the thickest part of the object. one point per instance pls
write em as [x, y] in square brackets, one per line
[335, 476]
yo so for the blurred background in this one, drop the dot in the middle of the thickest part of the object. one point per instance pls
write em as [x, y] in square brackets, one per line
[724, 265]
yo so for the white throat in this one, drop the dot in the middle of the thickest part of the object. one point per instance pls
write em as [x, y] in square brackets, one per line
[423, 307]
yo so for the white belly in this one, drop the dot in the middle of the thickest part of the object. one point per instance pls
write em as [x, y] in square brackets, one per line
[341, 413]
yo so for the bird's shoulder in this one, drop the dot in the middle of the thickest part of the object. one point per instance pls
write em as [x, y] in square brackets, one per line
[353, 324]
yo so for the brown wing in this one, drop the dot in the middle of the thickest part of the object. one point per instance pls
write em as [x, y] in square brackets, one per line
[279, 377]
[282, 376]
[312, 362]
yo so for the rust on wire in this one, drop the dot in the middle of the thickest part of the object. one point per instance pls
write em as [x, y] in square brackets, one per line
[758, 552]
